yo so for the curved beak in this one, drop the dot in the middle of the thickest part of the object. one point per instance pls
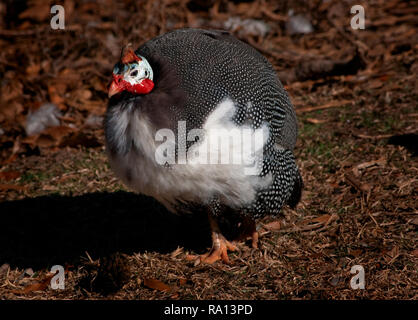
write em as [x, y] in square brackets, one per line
[115, 87]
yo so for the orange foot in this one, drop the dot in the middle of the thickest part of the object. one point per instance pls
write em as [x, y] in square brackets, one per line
[219, 251]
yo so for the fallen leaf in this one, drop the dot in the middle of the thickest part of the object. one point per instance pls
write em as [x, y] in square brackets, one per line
[156, 285]
[37, 286]
[321, 219]
[191, 257]
[9, 175]
[92, 106]
[45, 141]
[315, 121]
[365, 165]
[98, 84]
[84, 94]
[50, 137]
[273, 226]
[54, 95]
[354, 182]
[39, 12]
[355, 252]
[11, 187]
[33, 70]
[332, 104]
[12, 158]
[375, 84]
[69, 76]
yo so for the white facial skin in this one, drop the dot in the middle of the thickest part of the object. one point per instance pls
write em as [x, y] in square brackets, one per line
[138, 71]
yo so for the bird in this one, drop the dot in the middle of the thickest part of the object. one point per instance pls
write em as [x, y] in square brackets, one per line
[179, 100]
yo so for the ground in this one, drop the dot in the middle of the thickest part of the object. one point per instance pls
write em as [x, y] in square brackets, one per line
[355, 93]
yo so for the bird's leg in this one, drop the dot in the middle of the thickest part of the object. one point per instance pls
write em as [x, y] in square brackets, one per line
[220, 245]
[248, 229]
[254, 239]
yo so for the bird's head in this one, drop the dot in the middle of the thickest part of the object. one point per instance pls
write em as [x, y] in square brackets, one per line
[133, 74]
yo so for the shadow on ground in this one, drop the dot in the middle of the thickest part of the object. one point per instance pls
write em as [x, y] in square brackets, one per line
[409, 141]
[48, 230]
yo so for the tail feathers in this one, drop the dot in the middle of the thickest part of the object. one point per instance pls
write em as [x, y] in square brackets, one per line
[296, 192]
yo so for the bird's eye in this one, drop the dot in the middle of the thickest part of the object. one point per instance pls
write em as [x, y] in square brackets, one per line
[134, 73]
[146, 73]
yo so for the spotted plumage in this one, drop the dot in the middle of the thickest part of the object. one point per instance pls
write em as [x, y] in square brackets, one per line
[196, 73]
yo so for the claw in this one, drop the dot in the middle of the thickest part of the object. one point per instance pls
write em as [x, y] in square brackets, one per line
[221, 246]
[219, 250]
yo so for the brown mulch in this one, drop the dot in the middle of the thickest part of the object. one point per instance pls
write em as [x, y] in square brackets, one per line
[355, 93]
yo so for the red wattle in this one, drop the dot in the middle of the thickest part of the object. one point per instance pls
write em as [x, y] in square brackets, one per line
[119, 85]
[144, 87]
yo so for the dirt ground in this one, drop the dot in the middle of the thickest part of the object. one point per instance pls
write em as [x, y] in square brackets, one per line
[355, 93]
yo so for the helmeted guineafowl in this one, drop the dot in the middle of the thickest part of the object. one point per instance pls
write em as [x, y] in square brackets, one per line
[170, 102]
